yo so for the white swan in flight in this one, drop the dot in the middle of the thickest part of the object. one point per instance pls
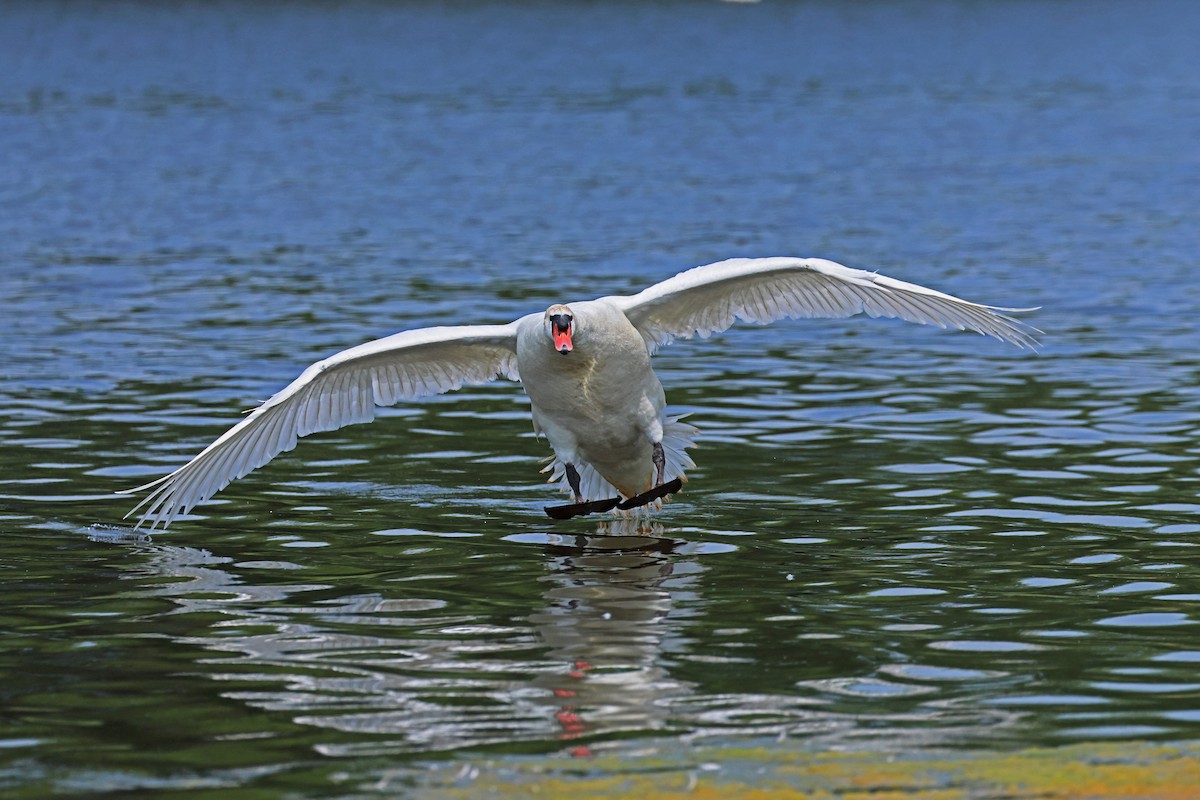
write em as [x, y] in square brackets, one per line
[586, 369]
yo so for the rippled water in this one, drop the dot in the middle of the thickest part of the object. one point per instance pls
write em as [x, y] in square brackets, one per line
[897, 538]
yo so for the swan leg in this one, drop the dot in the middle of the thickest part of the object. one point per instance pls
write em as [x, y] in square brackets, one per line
[573, 479]
[659, 457]
[579, 508]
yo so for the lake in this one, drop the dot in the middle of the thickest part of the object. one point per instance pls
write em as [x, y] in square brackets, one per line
[908, 559]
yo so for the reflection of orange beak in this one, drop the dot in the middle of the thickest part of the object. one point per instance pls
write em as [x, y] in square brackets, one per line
[562, 340]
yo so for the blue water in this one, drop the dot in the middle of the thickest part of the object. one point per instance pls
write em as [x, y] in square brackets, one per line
[896, 537]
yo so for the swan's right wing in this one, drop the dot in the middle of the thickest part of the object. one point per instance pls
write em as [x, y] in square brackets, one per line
[709, 299]
[340, 390]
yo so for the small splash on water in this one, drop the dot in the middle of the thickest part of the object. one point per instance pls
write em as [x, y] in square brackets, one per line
[112, 534]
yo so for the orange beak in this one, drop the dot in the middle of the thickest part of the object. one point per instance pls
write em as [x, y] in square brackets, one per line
[562, 339]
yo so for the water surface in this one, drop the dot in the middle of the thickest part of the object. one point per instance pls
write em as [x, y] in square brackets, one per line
[896, 540]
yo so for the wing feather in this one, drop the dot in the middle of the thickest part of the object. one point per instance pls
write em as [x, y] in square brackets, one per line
[710, 299]
[341, 390]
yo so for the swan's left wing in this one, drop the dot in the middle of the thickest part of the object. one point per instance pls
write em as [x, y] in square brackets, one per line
[340, 390]
[709, 299]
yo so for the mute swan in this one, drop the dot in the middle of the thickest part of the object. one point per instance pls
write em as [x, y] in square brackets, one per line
[586, 369]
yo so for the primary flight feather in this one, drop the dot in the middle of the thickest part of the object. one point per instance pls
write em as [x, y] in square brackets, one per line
[586, 369]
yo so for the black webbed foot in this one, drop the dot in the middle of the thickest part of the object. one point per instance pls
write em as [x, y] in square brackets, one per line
[580, 509]
[662, 490]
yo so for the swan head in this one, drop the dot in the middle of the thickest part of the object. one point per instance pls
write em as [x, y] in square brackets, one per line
[560, 324]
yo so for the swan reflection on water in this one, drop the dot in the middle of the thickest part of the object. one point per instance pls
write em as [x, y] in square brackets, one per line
[429, 674]
[404, 673]
[609, 619]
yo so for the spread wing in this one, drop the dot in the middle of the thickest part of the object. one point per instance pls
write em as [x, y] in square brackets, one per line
[341, 390]
[709, 299]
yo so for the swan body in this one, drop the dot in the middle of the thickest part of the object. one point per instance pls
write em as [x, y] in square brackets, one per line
[600, 405]
[585, 367]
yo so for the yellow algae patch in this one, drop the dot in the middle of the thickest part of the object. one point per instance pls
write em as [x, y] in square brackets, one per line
[1096, 771]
